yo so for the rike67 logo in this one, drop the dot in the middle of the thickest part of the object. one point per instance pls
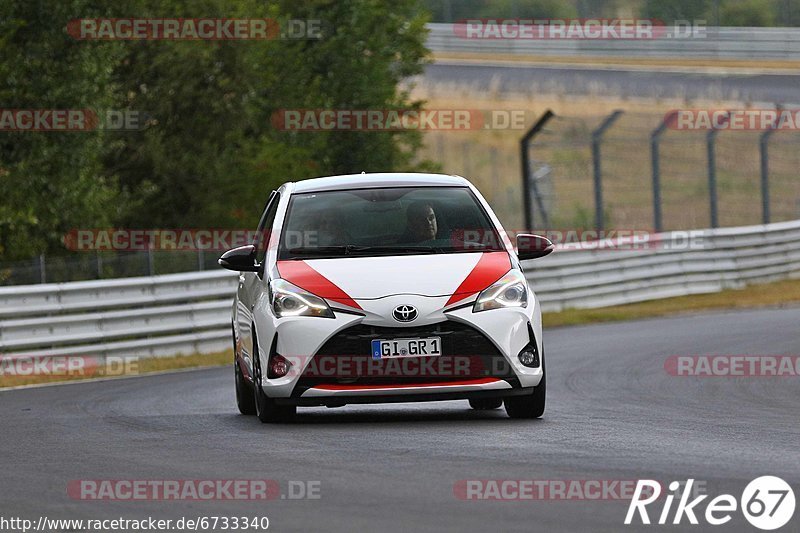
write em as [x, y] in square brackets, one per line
[767, 503]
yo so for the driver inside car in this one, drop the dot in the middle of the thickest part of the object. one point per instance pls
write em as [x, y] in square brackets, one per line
[421, 223]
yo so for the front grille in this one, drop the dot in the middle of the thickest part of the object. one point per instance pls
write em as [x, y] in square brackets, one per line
[346, 358]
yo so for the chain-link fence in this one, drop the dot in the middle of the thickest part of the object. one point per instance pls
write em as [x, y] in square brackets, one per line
[651, 176]
[628, 170]
[79, 266]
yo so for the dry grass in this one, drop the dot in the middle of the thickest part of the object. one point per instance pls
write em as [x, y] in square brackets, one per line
[710, 63]
[134, 367]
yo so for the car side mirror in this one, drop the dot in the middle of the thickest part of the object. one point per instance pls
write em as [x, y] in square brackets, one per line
[532, 246]
[241, 259]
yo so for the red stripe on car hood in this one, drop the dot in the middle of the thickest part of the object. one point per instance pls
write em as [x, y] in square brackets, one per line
[301, 274]
[491, 267]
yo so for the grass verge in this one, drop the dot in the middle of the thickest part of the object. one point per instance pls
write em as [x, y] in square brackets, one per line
[710, 63]
[754, 296]
[10, 375]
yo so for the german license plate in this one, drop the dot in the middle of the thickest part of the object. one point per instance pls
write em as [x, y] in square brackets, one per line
[427, 347]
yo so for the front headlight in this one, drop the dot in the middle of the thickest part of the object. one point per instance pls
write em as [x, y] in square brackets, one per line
[290, 300]
[509, 291]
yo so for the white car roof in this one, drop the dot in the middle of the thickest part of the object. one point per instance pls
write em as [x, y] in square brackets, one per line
[387, 179]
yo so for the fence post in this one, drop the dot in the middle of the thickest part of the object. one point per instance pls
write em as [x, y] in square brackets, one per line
[655, 139]
[467, 163]
[764, 152]
[440, 149]
[527, 182]
[99, 263]
[597, 137]
[151, 267]
[711, 138]
[495, 174]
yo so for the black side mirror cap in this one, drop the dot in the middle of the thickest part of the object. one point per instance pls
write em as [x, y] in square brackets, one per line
[241, 259]
[531, 246]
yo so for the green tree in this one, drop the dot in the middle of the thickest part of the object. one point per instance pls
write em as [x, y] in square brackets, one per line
[668, 11]
[529, 9]
[211, 154]
[748, 13]
[51, 182]
[208, 153]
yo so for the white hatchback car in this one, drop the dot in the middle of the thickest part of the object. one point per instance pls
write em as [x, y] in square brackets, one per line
[374, 288]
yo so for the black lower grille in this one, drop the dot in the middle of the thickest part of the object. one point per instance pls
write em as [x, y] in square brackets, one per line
[346, 358]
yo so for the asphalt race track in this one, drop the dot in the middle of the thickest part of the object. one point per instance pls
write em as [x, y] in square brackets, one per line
[621, 82]
[613, 413]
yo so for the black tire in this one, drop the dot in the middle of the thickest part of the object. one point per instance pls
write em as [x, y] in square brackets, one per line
[486, 404]
[532, 405]
[266, 409]
[245, 400]
[244, 392]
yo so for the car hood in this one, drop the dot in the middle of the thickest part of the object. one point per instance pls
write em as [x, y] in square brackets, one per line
[347, 280]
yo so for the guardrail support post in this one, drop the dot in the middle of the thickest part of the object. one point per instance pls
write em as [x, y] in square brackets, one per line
[711, 138]
[597, 137]
[527, 182]
[655, 139]
[42, 274]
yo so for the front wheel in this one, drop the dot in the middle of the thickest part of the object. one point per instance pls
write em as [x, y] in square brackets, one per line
[244, 392]
[266, 409]
[532, 405]
[245, 400]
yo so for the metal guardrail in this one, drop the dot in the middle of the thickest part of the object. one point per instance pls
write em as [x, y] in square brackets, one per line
[144, 317]
[190, 313]
[719, 43]
[711, 261]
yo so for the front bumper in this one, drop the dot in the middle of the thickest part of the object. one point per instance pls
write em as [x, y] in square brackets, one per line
[483, 345]
[408, 395]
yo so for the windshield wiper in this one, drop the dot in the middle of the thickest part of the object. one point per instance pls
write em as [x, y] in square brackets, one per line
[353, 249]
[398, 248]
[477, 247]
[321, 250]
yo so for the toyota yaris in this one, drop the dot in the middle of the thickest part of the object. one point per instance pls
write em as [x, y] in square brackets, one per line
[375, 288]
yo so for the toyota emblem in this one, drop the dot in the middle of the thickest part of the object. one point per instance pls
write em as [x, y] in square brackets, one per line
[405, 313]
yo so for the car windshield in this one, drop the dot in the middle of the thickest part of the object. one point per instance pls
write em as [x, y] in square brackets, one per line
[386, 221]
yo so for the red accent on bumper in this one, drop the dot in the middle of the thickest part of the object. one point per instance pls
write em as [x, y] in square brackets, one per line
[479, 381]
